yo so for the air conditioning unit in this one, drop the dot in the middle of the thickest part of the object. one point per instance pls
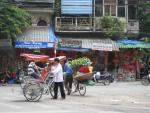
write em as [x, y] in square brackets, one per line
[133, 26]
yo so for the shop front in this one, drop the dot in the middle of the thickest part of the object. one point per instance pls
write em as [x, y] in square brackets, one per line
[98, 50]
[128, 62]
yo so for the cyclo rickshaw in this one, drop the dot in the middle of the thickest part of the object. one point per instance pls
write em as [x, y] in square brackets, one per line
[33, 89]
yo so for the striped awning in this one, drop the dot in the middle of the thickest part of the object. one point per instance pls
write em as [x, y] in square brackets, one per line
[100, 44]
[36, 37]
[92, 44]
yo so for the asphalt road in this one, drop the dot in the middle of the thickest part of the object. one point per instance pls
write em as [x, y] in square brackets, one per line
[119, 97]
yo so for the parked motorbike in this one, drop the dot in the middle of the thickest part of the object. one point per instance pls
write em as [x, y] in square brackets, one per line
[104, 78]
[146, 79]
[145, 74]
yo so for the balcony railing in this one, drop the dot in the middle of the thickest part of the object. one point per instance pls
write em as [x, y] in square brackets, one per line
[84, 24]
[74, 24]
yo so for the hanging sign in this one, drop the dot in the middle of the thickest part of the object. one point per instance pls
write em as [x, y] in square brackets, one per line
[102, 47]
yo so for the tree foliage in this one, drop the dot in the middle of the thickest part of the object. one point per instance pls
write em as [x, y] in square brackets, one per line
[144, 16]
[144, 20]
[112, 25]
[13, 20]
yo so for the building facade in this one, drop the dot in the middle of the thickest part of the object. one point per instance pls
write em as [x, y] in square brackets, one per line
[40, 35]
[85, 15]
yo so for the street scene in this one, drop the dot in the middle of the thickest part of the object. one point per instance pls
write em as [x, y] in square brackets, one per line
[119, 97]
[75, 56]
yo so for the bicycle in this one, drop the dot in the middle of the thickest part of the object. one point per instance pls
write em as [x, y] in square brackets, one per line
[78, 83]
[79, 87]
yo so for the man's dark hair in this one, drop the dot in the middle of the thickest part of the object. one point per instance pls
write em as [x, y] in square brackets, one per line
[56, 60]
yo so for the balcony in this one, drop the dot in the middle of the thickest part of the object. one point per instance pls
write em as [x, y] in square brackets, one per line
[87, 24]
[74, 24]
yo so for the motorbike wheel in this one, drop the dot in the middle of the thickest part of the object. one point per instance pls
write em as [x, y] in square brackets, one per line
[33, 92]
[106, 82]
[145, 81]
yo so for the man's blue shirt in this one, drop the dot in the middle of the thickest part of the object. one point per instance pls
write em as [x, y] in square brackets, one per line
[68, 69]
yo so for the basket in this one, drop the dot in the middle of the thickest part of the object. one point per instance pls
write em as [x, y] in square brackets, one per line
[83, 76]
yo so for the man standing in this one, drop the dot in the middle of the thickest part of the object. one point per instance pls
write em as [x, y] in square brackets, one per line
[69, 76]
[57, 72]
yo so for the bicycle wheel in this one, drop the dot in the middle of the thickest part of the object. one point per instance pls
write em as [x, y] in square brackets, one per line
[82, 89]
[33, 92]
[74, 87]
[51, 89]
[145, 81]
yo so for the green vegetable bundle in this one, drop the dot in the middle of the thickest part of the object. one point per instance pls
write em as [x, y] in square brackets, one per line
[76, 63]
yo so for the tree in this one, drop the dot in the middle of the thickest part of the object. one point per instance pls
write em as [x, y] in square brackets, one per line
[144, 16]
[113, 26]
[144, 21]
[13, 20]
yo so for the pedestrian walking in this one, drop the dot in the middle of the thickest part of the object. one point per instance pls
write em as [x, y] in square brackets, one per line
[68, 76]
[57, 72]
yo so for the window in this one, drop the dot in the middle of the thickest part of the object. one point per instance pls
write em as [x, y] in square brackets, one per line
[110, 1]
[113, 10]
[42, 23]
[132, 9]
[110, 7]
[121, 11]
[132, 1]
[76, 7]
[121, 8]
[107, 10]
[98, 7]
[121, 2]
[132, 12]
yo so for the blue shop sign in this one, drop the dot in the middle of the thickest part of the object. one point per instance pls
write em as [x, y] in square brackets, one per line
[33, 45]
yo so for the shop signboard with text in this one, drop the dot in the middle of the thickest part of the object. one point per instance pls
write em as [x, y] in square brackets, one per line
[30, 44]
[66, 43]
[102, 47]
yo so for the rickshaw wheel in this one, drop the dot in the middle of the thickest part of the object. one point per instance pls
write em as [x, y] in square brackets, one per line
[33, 92]
[51, 89]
